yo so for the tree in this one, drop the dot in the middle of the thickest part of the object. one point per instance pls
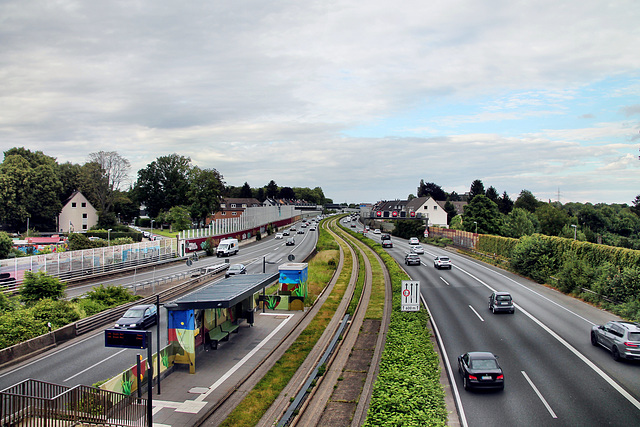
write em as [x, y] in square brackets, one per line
[111, 172]
[6, 243]
[164, 183]
[450, 209]
[505, 204]
[206, 187]
[69, 174]
[245, 191]
[551, 219]
[492, 194]
[636, 205]
[287, 193]
[272, 190]
[36, 286]
[431, 189]
[519, 222]
[179, 218]
[526, 200]
[477, 188]
[485, 213]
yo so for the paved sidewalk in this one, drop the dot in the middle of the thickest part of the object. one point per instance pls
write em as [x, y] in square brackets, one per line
[186, 398]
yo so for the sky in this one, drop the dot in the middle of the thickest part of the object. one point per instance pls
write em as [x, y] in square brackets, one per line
[362, 99]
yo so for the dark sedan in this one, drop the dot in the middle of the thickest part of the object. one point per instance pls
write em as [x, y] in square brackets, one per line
[138, 317]
[236, 269]
[480, 369]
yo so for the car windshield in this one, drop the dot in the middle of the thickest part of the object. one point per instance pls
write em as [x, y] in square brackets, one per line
[483, 364]
[503, 297]
[444, 258]
[634, 336]
[134, 312]
[235, 267]
[223, 246]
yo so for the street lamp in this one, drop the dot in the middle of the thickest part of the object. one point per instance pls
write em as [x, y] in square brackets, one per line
[151, 233]
[109, 237]
[476, 223]
[575, 231]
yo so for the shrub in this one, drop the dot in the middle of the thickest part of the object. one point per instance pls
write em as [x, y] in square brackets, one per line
[19, 326]
[36, 286]
[88, 307]
[111, 296]
[59, 313]
[534, 258]
[575, 273]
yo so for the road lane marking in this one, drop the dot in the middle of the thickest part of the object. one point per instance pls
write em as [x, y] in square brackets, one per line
[477, 314]
[94, 365]
[461, 414]
[544, 401]
[569, 347]
[442, 278]
[243, 360]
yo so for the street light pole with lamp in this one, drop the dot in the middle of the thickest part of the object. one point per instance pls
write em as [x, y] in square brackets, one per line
[109, 237]
[476, 223]
[575, 231]
[151, 233]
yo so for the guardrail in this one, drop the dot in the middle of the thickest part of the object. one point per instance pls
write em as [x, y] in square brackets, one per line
[90, 323]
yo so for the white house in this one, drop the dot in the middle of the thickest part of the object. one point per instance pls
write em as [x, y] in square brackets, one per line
[77, 214]
[430, 209]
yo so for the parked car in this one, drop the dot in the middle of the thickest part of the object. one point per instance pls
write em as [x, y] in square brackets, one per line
[138, 317]
[412, 259]
[621, 338]
[417, 249]
[236, 269]
[414, 241]
[290, 241]
[279, 236]
[501, 301]
[442, 262]
[387, 244]
[480, 369]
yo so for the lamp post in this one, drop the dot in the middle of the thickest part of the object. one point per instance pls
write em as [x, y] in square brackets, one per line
[151, 233]
[476, 223]
[109, 237]
[575, 231]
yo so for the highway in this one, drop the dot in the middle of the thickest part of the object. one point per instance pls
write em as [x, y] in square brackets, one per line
[86, 361]
[553, 375]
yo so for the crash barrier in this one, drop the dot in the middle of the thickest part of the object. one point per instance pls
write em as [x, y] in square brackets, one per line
[77, 265]
[21, 351]
[34, 403]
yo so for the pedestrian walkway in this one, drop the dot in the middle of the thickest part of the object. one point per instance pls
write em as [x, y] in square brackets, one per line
[186, 399]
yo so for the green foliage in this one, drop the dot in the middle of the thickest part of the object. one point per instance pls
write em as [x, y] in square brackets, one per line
[485, 213]
[501, 246]
[88, 307]
[111, 296]
[122, 241]
[575, 274]
[19, 326]
[551, 219]
[408, 228]
[6, 243]
[36, 286]
[59, 313]
[520, 222]
[209, 246]
[535, 258]
[79, 241]
[526, 201]
[179, 218]
[258, 236]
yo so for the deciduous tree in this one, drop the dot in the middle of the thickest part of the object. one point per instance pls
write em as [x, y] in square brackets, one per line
[485, 213]
[164, 183]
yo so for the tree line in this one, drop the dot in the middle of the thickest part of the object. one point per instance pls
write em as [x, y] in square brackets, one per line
[34, 187]
[489, 212]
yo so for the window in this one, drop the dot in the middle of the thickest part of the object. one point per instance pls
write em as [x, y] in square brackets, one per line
[224, 214]
[234, 213]
[84, 215]
[84, 226]
[233, 205]
[83, 204]
[73, 204]
[435, 208]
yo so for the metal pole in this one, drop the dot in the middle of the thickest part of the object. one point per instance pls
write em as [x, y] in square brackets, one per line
[149, 380]
[138, 363]
[158, 338]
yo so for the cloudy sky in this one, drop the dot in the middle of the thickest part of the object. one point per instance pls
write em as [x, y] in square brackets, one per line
[363, 99]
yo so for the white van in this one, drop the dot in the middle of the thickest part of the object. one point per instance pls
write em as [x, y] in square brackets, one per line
[227, 247]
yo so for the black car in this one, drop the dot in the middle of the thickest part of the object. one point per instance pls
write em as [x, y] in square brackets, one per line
[236, 269]
[501, 301]
[480, 369]
[387, 244]
[412, 259]
[138, 317]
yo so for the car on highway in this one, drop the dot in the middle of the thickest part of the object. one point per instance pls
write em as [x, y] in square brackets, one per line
[412, 259]
[417, 249]
[501, 301]
[279, 235]
[442, 262]
[286, 233]
[312, 228]
[138, 317]
[290, 241]
[621, 338]
[387, 244]
[385, 236]
[480, 369]
[376, 231]
[414, 241]
[301, 231]
[235, 269]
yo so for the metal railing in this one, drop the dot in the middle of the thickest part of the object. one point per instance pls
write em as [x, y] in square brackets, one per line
[34, 403]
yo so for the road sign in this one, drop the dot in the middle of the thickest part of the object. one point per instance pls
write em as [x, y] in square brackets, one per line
[410, 300]
[125, 338]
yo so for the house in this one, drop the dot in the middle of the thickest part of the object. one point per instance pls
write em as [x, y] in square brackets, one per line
[77, 214]
[430, 209]
[233, 207]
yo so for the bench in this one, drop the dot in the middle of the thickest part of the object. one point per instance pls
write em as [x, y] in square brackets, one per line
[229, 327]
[216, 335]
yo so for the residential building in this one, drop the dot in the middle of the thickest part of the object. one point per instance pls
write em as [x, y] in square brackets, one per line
[77, 215]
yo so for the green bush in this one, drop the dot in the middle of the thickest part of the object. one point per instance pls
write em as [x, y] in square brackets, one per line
[59, 313]
[19, 326]
[535, 258]
[36, 286]
[575, 274]
[111, 296]
[88, 307]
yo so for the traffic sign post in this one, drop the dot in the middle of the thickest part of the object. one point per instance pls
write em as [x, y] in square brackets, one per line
[410, 297]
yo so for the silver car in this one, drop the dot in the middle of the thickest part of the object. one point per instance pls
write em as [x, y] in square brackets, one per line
[621, 338]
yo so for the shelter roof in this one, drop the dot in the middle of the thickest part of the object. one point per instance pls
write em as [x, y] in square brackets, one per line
[225, 293]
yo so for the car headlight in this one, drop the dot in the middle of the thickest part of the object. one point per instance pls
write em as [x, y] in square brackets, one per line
[133, 325]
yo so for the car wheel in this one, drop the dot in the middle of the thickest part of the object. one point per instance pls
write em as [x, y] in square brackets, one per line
[594, 338]
[615, 353]
[465, 383]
